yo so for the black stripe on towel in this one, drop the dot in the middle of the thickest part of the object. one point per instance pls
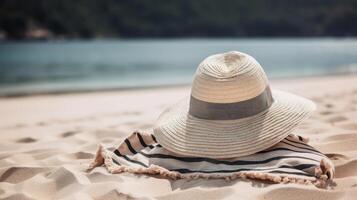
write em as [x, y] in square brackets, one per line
[128, 159]
[210, 160]
[300, 147]
[142, 142]
[117, 152]
[153, 137]
[286, 149]
[116, 162]
[274, 170]
[132, 150]
[302, 143]
[300, 138]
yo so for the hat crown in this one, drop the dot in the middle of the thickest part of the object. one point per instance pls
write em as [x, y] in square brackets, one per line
[225, 65]
[228, 78]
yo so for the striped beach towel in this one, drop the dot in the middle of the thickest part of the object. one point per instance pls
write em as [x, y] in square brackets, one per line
[291, 160]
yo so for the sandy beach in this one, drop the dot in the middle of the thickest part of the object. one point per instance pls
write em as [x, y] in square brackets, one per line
[47, 142]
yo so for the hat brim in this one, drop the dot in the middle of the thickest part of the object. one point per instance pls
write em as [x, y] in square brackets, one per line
[184, 134]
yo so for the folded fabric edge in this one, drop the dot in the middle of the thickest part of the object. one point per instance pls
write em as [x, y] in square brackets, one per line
[103, 156]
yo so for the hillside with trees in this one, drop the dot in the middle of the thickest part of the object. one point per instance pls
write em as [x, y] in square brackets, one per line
[31, 19]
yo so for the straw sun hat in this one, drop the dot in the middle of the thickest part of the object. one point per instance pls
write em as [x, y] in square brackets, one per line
[231, 112]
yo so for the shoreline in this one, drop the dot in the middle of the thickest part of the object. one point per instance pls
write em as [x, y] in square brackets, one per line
[140, 88]
[85, 91]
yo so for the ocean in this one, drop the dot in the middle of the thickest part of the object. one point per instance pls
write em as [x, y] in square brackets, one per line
[65, 66]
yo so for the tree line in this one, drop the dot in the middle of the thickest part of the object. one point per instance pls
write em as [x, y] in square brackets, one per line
[177, 18]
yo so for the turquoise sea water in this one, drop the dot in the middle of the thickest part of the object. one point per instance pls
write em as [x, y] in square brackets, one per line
[30, 67]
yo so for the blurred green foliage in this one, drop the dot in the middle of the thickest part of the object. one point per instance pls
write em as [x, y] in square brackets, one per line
[179, 18]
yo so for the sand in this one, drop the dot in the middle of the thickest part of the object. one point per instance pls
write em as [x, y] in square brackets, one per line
[47, 141]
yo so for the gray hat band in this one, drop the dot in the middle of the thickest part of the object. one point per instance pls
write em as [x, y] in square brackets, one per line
[231, 111]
